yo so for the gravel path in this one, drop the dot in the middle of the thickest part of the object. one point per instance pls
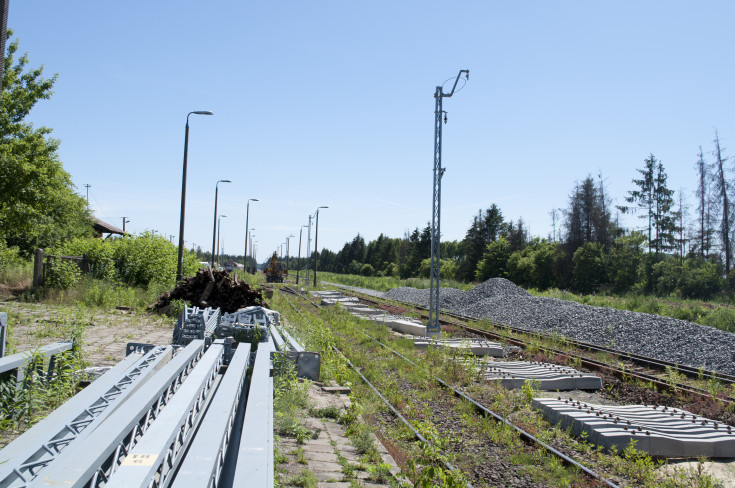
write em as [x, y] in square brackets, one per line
[674, 340]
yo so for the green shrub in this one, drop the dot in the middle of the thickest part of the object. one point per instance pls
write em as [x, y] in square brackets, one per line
[62, 274]
[133, 260]
[700, 279]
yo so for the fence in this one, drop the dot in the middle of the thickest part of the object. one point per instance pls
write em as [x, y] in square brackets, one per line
[85, 264]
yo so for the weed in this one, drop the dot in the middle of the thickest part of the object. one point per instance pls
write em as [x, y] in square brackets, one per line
[305, 479]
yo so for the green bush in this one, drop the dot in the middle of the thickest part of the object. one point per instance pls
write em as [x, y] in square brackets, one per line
[8, 256]
[132, 260]
[589, 268]
[700, 279]
[367, 270]
[62, 274]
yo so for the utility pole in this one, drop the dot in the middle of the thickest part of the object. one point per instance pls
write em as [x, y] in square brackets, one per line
[87, 185]
[433, 329]
[125, 221]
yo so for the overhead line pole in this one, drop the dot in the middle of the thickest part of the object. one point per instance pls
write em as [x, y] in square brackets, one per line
[433, 328]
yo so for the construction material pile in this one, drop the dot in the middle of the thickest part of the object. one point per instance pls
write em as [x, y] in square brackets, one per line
[211, 289]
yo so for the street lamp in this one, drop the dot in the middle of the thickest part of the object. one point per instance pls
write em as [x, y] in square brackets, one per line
[247, 215]
[316, 242]
[308, 249]
[287, 249]
[214, 225]
[219, 225]
[180, 267]
[249, 237]
[298, 266]
[433, 328]
[125, 221]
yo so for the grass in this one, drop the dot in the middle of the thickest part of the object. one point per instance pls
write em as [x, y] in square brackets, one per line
[385, 283]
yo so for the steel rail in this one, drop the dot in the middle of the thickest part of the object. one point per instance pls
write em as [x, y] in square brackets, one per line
[395, 412]
[499, 418]
[390, 406]
[487, 412]
[593, 363]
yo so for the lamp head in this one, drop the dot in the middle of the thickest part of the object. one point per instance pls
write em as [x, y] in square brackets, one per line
[203, 112]
[253, 200]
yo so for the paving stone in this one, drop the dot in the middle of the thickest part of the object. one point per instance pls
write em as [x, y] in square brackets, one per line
[328, 457]
[328, 475]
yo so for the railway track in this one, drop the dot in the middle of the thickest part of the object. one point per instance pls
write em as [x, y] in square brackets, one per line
[594, 478]
[634, 367]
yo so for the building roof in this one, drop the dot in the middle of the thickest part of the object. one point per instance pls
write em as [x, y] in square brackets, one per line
[105, 228]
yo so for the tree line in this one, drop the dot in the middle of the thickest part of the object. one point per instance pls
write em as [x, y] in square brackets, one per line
[587, 250]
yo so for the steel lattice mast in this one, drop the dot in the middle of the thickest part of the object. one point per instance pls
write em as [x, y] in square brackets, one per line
[433, 328]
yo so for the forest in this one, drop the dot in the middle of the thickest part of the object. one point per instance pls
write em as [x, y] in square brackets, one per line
[587, 250]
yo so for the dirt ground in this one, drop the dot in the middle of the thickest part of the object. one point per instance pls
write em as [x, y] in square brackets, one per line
[105, 333]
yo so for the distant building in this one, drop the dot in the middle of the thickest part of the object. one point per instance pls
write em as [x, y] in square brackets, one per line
[102, 228]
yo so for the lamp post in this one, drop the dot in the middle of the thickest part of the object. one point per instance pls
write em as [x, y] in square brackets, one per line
[248, 237]
[287, 249]
[298, 266]
[308, 249]
[247, 216]
[252, 254]
[316, 241]
[219, 225]
[180, 266]
[125, 221]
[433, 328]
[214, 225]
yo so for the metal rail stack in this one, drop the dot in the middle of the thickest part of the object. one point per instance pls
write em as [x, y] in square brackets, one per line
[196, 323]
[164, 417]
[248, 324]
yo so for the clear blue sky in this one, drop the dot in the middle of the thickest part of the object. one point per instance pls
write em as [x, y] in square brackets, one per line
[331, 103]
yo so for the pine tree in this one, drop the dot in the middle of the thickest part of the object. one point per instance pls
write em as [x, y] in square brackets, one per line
[643, 197]
[723, 188]
[664, 219]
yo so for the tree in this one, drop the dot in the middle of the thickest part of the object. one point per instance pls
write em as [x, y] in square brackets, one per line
[39, 207]
[587, 219]
[485, 228]
[643, 197]
[664, 219]
[704, 232]
[589, 267]
[623, 261]
[722, 188]
[495, 260]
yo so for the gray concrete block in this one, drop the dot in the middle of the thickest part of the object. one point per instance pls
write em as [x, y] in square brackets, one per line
[513, 374]
[659, 431]
[475, 347]
[404, 326]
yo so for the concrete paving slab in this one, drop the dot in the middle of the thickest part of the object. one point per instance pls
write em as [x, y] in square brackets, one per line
[659, 431]
[551, 377]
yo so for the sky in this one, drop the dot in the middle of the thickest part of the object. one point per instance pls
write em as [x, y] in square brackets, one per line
[330, 103]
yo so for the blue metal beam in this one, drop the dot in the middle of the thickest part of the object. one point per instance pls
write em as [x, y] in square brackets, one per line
[206, 456]
[93, 462]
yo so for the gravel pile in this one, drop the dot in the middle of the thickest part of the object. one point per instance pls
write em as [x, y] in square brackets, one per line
[650, 335]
